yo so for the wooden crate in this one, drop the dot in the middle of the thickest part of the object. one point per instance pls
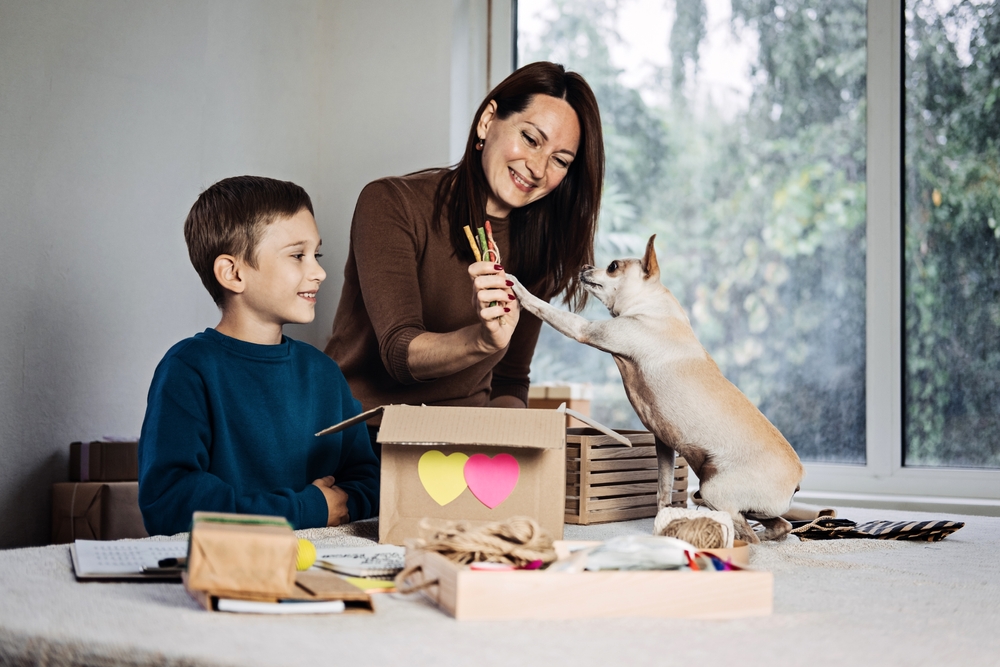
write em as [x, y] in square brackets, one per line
[606, 481]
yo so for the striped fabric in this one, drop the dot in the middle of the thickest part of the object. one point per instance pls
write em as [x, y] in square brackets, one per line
[828, 528]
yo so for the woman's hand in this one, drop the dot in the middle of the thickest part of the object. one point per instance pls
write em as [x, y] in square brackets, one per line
[494, 301]
[433, 355]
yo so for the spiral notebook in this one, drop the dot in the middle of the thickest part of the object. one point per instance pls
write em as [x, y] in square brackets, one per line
[378, 561]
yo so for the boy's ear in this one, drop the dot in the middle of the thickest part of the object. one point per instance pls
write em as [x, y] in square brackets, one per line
[227, 272]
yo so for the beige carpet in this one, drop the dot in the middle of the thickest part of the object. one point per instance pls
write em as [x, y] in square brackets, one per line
[852, 602]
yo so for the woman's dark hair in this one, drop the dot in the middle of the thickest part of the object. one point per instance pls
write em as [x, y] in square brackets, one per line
[552, 238]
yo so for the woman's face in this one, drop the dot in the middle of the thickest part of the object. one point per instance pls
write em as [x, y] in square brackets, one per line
[527, 155]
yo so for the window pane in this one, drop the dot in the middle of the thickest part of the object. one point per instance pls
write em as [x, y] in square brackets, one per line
[952, 236]
[734, 131]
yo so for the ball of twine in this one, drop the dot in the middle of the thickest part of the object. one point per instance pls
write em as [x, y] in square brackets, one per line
[516, 541]
[701, 532]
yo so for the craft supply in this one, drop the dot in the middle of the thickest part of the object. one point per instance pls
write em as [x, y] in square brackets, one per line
[282, 607]
[518, 542]
[306, 555]
[383, 560]
[704, 528]
[641, 552]
[473, 244]
[241, 556]
[831, 528]
[492, 567]
[93, 559]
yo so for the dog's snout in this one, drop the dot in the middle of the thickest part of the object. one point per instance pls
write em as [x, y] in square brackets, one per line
[586, 267]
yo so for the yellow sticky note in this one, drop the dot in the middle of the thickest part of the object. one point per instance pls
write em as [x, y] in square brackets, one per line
[443, 476]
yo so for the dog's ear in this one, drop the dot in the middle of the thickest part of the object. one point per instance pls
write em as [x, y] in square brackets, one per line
[650, 267]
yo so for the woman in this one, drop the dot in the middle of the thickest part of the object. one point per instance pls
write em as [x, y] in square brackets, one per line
[411, 326]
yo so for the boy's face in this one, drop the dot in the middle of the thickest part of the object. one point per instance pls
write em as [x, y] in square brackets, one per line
[282, 289]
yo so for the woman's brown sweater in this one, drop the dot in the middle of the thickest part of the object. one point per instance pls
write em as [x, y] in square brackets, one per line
[402, 278]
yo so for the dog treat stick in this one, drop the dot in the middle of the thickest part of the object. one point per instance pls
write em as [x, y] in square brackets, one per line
[483, 246]
[472, 243]
[492, 244]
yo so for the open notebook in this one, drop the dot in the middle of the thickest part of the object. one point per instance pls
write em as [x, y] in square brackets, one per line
[381, 560]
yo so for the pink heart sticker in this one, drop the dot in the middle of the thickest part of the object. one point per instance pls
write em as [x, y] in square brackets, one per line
[491, 480]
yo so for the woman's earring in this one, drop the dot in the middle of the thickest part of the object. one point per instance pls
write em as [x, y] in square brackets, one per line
[479, 146]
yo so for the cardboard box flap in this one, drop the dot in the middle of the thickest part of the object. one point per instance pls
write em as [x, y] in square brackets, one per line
[450, 425]
[364, 416]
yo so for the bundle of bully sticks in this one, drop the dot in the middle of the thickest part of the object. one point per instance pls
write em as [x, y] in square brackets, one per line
[484, 248]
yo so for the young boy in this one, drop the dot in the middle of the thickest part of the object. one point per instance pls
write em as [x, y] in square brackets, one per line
[232, 412]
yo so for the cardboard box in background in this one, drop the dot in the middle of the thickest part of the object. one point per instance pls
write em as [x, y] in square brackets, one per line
[575, 395]
[478, 465]
[104, 461]
[96, 511]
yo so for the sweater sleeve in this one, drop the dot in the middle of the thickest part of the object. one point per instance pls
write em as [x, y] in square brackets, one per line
[358, 472]
[385, 245]
[511, 375]
[174, 455]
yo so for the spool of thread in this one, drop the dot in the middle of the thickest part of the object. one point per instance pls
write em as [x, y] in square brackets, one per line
[307, 555]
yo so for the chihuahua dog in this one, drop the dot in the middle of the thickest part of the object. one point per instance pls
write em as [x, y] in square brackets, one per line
[744, 464]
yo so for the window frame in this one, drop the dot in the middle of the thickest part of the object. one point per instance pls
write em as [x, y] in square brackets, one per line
[883, 480]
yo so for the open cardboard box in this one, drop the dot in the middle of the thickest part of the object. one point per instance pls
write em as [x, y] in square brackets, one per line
[538, 594]
[443, 464]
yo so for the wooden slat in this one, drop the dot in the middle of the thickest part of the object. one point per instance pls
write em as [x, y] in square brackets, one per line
[606, 516]
[591, 437]
[595, 492]
[619, 503]
[572, 451]
[623, 453]
[621, 476]
[623, 464]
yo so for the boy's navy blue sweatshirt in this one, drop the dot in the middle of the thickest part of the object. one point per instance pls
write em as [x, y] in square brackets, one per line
[230, 427]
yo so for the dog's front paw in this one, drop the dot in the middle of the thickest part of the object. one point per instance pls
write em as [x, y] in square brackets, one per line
[519, 291]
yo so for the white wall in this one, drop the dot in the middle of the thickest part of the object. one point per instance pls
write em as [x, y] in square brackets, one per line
[114, 116]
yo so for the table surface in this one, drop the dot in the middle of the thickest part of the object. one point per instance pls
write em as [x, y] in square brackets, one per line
[842, 602]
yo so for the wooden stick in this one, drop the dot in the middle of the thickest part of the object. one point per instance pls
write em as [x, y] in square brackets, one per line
[472, 243]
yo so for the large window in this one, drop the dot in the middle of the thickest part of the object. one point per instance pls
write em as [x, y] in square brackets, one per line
[952, 237]
[735, 132]
[824, 182]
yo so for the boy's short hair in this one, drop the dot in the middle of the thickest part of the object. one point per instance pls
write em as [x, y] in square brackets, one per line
[229, 219]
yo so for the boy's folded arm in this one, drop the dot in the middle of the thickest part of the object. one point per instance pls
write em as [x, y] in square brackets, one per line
[174, 457]
[183, 493]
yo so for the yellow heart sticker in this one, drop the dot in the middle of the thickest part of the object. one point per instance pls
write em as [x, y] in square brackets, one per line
[442, 476]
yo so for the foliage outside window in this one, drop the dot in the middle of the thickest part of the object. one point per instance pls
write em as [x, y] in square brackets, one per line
[951, 233]
[757, 198]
